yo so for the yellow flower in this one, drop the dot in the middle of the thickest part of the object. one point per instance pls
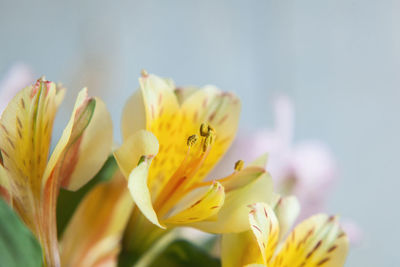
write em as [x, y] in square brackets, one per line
[29, 181]
[317, 241]
[172, 139]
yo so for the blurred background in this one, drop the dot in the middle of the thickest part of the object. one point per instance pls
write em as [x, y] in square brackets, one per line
[338, 61]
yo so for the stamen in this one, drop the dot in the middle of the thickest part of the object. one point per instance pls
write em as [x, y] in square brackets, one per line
[239, 165]
[191, 141]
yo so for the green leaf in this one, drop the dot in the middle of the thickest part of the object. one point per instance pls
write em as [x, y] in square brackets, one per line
[18, 246]
[68, 201]
[183, 253]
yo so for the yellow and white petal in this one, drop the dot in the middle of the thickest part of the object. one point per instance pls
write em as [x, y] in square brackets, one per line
[93, 149]
[94, 233]
[133, 116]
[25, 134]
[240, 249]
[286, 210]
[206, 204]
[141, 143]
[317, 241]
[139, 190]
[265, 227]
[163, 119]
[233, 216]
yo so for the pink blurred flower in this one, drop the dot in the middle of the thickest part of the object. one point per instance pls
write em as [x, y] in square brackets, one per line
[18, 77]
[306, 169]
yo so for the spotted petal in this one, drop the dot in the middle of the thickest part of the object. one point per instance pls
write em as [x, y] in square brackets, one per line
[317, 241]
[265, 227]
[25, 134]
[201, 207]
[232, 218]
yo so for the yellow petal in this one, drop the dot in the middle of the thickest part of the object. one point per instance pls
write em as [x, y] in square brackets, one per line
[93, 149]
[232, 218]
[239, 250]
[265, 227]
[133, 116]
[140, 192]
[25, 133]
[26, 126]
[201, 207]
[141, 143]
[93, 235]
[163, 118]
[317, 241]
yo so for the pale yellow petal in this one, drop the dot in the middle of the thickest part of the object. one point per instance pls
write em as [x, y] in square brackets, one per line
[317, 241]
[260, 161]
[139, 190]
[71, 137]
[93, 149]
[183, 93]
[241, 178]
[206, 204]
[286, 210]
[233, 216]
[265, 227]
[239, 249]
[141, 143]
[93, 235]
[158, 97]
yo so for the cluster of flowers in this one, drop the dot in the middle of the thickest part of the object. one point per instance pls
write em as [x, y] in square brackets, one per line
[172, 138]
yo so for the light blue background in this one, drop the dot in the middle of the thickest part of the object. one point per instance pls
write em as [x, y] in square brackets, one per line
[338, 60]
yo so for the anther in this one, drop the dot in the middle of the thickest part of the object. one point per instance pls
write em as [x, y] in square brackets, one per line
[204, 129]
[209, 140]
[239, 165]
[192, 140]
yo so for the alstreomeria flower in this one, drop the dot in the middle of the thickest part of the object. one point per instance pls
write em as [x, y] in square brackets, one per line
[317, 241]
[167, 154]
[28, 181]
